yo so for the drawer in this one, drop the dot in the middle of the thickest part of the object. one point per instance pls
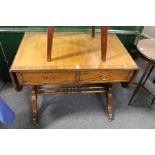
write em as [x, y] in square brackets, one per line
[46, 78]
[105, 76]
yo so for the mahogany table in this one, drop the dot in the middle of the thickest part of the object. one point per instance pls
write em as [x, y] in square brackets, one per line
[76, 59]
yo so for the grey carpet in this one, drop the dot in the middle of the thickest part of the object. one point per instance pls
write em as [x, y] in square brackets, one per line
[83, 111]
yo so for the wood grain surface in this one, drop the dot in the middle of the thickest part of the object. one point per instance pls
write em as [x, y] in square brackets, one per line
[71, 50]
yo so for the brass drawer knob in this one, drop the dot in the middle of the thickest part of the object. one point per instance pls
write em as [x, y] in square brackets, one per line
[106, 77]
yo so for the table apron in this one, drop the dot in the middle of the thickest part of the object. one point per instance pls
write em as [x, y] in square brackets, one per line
[73, 77]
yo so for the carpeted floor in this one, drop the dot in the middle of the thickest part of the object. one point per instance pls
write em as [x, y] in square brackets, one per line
[83, 111]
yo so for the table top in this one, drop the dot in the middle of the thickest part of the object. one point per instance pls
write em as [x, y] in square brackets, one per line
[71, 50]
[147, 48]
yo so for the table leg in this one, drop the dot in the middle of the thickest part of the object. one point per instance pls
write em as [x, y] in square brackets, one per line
[146, 71]
[15, 82]
[104, 33]
[34, 104]
[49, 42]
[109, 102]
[153, 100]
[93, 31]
[148, 75]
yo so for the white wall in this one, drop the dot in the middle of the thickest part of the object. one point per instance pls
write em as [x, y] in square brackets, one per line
[149, 31]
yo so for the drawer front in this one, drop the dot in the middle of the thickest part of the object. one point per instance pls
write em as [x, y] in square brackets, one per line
[46, 78]
[71, 77]
[105, 76]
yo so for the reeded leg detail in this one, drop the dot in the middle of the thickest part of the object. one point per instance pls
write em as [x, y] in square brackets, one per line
[34, 105]
[109, 102]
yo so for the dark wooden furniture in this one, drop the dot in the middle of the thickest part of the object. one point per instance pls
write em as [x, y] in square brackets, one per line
[104, 32]
[146, 48]
[76, 59]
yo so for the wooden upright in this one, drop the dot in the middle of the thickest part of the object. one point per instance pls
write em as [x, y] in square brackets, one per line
[104, 32]
[49, 42]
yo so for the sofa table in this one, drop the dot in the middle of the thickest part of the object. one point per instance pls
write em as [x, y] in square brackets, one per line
[76, 59]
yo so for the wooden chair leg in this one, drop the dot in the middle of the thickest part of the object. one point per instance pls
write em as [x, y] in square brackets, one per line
[93, 31]
[104, 33]
[49, 42]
